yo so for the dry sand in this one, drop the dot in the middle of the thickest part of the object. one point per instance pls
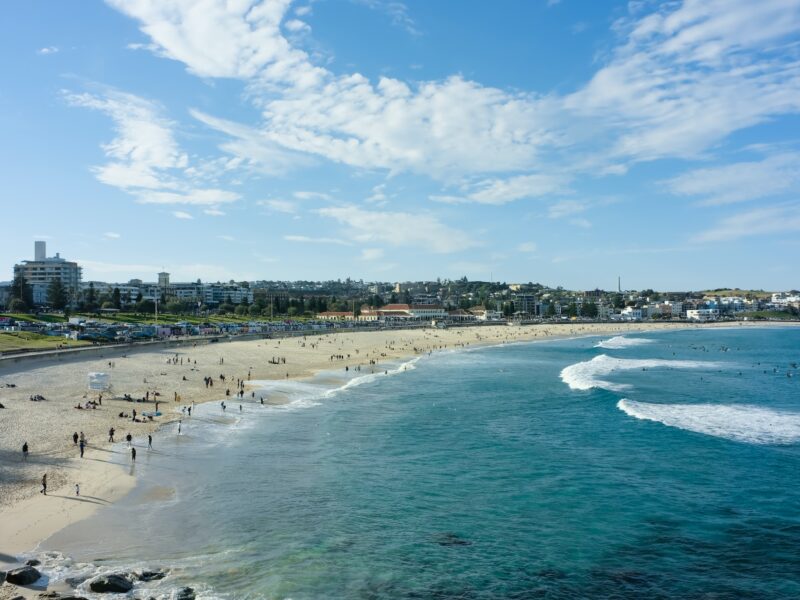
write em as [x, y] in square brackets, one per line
[27, 517]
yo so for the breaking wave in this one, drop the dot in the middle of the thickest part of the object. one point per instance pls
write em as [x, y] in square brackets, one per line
[620, 342]
[587, 375]
[740, 423]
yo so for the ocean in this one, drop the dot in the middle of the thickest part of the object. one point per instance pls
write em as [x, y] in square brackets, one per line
[653, 465]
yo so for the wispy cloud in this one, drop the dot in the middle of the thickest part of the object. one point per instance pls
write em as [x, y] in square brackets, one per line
[110, 235]
[145, 158]
[276, 205]
[740, 181]
[316, 240]
[528, 247]
[399, 229]
[179, 214]
[372, 254]
[397, 12]
[48, 50]
[214, 212]
[302, 195]
[767, 220]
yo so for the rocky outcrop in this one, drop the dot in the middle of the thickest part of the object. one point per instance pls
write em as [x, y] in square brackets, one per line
[186, 593]
[150, 575]
[23, 576]
[113, 583]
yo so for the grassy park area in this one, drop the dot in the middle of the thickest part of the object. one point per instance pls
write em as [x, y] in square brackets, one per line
[23, 340]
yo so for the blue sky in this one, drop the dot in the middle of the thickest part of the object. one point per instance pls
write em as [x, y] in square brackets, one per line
[565, 142]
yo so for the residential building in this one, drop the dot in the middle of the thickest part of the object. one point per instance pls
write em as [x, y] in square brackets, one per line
[702, 314]
[42, 271]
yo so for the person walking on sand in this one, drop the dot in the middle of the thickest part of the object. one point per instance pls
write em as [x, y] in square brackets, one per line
[179, 427]
[75, 438]
[82, 446]
[25, 451]
[44, 485]
[77, 489]
[149, 441]
[129, 437]
[133, 454]
[111, 435]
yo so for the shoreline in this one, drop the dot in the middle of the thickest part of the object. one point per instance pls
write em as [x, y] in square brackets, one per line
[27, 519]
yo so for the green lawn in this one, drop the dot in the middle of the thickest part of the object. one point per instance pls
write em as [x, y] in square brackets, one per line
[44, 318]
[23, 340]
[768, 314]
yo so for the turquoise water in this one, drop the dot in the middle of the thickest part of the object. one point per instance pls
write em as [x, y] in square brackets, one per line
[659, 468]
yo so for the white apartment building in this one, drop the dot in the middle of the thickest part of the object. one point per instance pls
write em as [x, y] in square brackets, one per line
[43, 270]
[702, 314]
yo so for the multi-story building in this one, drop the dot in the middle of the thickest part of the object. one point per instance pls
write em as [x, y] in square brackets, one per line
[43, 270]
[702, 314]
[524, 303]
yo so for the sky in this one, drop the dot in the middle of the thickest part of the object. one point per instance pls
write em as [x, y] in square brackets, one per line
[567, 142]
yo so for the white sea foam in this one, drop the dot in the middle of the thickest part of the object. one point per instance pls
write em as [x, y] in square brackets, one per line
[621, 342]
[741, 423]
[587, 375]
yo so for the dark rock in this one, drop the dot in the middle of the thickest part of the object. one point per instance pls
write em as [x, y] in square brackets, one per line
[451, 539]
[186, 593]
[151, 575]
[44, 595]
[23, 576]
[1, 405]
[2, 577]
[33, 562]
[75, 581]
[114, 582]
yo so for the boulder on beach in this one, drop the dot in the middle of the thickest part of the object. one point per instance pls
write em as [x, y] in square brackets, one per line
[33, 562]
[115, 582]
[23, 576]
[150, 575]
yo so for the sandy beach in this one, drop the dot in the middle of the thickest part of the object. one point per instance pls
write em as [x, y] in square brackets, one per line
[48, 425]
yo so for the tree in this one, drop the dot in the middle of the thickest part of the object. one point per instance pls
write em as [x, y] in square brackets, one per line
[20, 290]
[116, 298]
[241, 310]
[572, 310]
[551, 310]
[17, 306]
[91, 298]
[57, 295]
[590, 310]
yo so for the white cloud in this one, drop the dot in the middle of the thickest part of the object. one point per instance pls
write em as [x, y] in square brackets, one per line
[197, 197]
[145, 159]
[282, 206]
[311, 196]
[742, 181]
[680, 80]
[316, 240]
[527, 247]
[110, 235]
[227, 238]
[423, 231]
[378, 195]
[691, 73]
[372, 254]
[297, 26]
[581, 222]
[179, 214]
[252, 148]
[48, 50]
[565, 208]
[768, 220]
[302, 11]
[145, 148]
[213, 212]
[397, 12]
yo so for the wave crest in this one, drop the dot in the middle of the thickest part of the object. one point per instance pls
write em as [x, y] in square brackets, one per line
[740, 423]
[587, 375]
[621, 342]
